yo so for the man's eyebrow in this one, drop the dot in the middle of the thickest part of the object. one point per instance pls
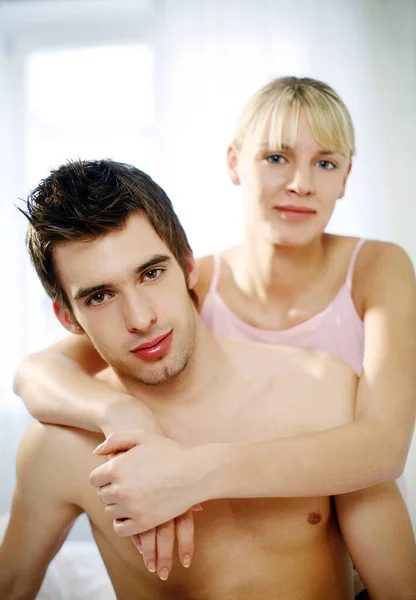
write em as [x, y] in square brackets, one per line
[153, 261]
[87, 291]
[148, 264]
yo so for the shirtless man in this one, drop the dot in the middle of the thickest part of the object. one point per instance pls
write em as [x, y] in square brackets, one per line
[111, 253]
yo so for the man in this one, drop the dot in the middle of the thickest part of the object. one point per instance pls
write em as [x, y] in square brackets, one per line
[111, 253]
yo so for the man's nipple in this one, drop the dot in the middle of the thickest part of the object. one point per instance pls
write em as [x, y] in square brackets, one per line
[314, 518]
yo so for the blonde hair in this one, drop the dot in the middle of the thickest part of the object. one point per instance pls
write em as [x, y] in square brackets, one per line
[267, 110]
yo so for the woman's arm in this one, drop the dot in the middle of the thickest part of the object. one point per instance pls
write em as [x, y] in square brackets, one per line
[57, 386]
[377, 530]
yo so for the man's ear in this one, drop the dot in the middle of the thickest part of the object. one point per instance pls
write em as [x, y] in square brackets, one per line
[344, 183]
[232, 164]
[192, 271]
[64, 318]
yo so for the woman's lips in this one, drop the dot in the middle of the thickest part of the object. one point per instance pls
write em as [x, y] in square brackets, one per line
[295, 213]
[155, 349]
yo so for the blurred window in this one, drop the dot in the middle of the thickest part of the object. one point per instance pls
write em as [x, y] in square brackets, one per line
[88, 102]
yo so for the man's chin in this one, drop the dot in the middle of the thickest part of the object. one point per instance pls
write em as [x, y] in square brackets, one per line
[156, 375]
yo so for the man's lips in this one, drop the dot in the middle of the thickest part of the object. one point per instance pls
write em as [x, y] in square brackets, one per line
[155, 349]
[152, 343]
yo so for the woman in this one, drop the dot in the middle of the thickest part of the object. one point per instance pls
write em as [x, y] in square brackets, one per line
[289, 283]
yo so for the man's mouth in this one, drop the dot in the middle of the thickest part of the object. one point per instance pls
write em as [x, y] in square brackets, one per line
[155, 349]
[151, 343]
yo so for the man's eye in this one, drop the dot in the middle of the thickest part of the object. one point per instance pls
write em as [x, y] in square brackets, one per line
[97, 299]
[152, 274]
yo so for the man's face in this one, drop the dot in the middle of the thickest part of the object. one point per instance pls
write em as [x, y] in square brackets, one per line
[129, 295]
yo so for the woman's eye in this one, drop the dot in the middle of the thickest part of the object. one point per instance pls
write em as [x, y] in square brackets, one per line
[326, 164]
[152, 274]
[97, 299]
[276, 158]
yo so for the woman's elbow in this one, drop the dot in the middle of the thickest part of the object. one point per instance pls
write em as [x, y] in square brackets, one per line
[397, 468]
[25, 378]
[20, 377]
[396, 457]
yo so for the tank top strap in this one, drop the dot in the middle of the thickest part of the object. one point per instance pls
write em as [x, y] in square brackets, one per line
[216, 271]
[350, 272]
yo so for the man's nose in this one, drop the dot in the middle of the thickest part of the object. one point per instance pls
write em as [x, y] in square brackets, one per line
[139, 314]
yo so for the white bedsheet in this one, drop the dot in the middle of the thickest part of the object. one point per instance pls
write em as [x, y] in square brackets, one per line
[76, 573]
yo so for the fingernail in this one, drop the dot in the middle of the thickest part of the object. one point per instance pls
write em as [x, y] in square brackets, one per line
[151, 565]
[186, 561]
[98, 448]
[197, 508]
[164, 574]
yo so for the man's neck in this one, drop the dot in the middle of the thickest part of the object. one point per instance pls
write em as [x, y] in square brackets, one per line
[207, 369]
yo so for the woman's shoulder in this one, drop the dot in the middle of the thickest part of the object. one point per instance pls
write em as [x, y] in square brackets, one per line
[206, 269]
[376, 256]
[380, 266]
[205, 266]
[369, 253]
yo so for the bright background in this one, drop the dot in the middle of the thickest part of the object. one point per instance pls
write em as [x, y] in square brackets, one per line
[160, 83]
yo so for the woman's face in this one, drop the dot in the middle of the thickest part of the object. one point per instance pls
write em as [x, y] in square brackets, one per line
[289, 193]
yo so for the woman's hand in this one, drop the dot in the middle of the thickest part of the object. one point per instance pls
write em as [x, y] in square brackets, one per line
[129, 487]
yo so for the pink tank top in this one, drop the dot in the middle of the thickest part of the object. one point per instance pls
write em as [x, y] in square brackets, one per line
[338, 329]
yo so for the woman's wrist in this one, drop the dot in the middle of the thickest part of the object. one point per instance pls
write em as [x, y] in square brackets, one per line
[217, 464]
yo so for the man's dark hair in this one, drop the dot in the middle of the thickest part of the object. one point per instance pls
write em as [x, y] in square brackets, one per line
[84, 199]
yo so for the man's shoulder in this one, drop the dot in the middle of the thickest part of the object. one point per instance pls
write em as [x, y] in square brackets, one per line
[316, 379]
[43, 437]
[317, 363]
[320, 363]
[316, 388]
[56, 456]
[290, 368]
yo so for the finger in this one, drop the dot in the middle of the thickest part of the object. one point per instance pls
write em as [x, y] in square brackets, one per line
[120, 442]
[106, 494]
[137, 542]
[126, 527]
[101, 476]
[165, 541]
[115, 511]
[148, 543]
[185, 534]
